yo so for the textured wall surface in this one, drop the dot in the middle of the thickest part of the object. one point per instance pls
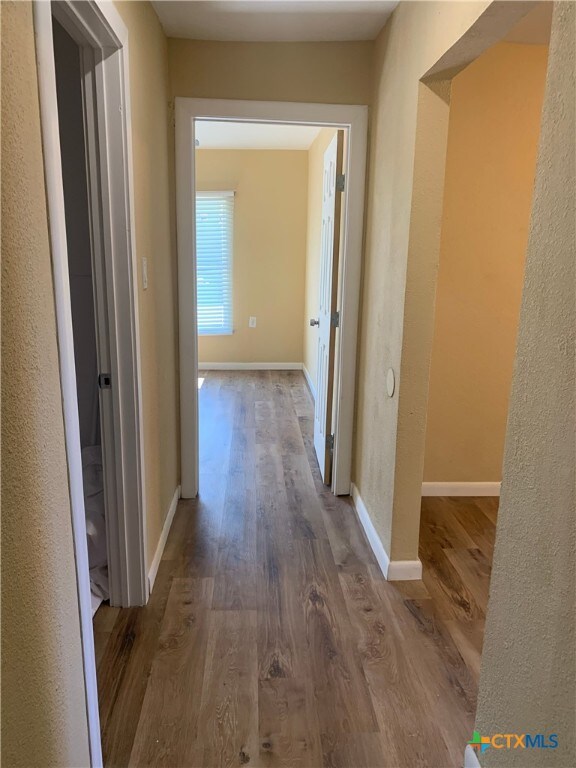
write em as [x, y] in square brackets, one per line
[152, 136]
[495, 111]
[385, 74]
[43, 702]
[269, 251]
[416, 36]
[528, 678]
[329, 73]
[313, 246]
[421, 273]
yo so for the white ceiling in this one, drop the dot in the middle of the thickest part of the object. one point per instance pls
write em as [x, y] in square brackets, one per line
[227, 135]
[273, 20]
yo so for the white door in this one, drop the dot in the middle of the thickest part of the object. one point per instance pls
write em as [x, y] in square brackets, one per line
[326, 320]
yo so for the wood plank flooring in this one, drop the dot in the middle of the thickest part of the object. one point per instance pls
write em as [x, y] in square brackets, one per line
[271, 637]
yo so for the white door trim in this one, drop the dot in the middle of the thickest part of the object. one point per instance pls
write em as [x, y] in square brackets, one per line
[97, 25]
[351, 117]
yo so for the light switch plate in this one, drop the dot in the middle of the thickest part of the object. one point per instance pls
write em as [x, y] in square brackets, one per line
[252, 322]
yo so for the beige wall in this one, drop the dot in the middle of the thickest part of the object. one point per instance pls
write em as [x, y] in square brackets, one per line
[385, 426]
[152, 132]
[495, 111]
[339, 73]
[313, 244]
[530, 623]
[269, 256]
[329, 73]
[528, 676]
[43, 701]
[398, 294]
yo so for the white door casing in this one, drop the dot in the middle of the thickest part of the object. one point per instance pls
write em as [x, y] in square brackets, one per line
[354, 119]
[327, 298]
[99, 30]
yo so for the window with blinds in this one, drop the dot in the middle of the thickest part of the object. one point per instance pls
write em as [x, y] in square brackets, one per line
[214, 226]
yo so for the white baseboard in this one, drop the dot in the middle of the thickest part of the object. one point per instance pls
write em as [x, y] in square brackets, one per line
[163, 537]
[471, 758]
[461, 489]
[309, 380]
[404, 570]
[249, 366]
[393, 570]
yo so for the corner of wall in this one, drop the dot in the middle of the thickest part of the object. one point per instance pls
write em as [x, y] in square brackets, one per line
[530, 617]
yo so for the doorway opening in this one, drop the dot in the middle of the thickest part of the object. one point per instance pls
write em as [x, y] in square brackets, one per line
[83, 296]
[477, 140]
[268, 238]
[81, 52]
[98, 305]
[335, 423]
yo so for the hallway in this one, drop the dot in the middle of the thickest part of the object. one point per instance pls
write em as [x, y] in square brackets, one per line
[271, 637]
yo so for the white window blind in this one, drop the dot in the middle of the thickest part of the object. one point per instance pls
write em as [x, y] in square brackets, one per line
[214, 227]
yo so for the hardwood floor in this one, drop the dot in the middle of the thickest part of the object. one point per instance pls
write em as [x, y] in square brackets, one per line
[271, 637]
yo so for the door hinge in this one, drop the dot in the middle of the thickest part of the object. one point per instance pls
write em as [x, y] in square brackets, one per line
[340, 182]
[335, 319]
[330, 442]
[104, 380]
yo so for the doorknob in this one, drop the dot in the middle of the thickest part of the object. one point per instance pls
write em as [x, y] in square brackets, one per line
[314, 322]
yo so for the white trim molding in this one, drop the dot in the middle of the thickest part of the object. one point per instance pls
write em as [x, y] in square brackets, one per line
[353, 119]
[98, 29]
[249, 366]
[393, 570]
[461, 489]
[309, 381]
[102, 37]
[471, 758]
[163, 539]
[404, 570]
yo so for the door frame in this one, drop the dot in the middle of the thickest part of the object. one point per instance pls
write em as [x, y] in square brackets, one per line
[352, 118]
[98, 29]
